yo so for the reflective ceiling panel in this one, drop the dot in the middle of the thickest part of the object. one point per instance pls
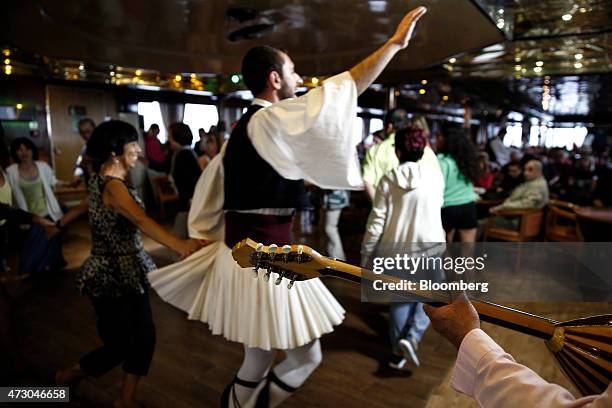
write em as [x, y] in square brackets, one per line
[210, 36]
[557, 52]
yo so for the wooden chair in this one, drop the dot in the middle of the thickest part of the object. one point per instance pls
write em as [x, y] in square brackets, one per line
[165, 192]
[530, 224]
[561, 222]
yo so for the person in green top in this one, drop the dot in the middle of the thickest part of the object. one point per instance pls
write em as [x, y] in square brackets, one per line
[458, 159]
[381, 158]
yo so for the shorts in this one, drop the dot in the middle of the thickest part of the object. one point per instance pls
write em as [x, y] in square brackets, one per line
[459, 217]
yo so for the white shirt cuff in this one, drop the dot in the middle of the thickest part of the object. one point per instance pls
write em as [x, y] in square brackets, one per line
[474, 347]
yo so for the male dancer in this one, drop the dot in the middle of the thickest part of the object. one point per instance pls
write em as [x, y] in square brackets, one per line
[280, 141]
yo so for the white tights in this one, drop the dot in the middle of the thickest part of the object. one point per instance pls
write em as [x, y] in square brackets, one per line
[297, 366]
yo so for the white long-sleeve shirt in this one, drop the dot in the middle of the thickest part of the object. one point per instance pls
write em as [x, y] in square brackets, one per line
[313, 137]
[485, 372]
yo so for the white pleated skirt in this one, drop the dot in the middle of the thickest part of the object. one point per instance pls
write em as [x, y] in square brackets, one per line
[212, 288]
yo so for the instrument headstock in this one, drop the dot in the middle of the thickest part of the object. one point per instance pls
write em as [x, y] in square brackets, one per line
[293, 262]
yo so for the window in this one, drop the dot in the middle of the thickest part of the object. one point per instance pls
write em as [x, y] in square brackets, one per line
[564, 137]
[199, 116]
[151, 113]
[514, 135]
[549, 137]
[376, 124]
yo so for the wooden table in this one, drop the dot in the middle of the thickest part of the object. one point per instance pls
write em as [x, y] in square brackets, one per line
[594, 223]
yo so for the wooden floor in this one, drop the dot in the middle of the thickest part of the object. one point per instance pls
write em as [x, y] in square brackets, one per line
[55, 327]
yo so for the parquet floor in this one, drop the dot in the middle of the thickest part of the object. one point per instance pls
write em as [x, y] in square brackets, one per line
[54, 326]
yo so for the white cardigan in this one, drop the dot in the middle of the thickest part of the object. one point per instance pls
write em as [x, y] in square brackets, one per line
[49, 181]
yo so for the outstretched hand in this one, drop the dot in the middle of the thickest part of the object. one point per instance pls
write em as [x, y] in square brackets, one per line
[454, 321]
[404, 30]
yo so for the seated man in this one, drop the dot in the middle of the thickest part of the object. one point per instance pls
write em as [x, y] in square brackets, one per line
[533, 193]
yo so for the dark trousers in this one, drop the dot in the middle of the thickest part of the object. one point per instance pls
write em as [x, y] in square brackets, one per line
[126, 327]
[39, 253]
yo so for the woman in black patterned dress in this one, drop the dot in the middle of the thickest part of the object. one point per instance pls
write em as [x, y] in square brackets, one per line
[114, 276]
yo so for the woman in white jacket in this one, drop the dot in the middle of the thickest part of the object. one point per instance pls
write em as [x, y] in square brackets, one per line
[32, 182]
[406, 213]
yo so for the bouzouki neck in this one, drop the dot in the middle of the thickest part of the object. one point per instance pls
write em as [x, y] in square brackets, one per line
[489, 312]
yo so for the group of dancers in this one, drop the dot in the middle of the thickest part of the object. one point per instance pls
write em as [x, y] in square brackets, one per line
[252, 189]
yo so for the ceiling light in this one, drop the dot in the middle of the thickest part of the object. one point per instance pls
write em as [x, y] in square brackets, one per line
[8, 70]
[377, 6]
[7, 61]
[6, 52]
[537, 69]
[445, 98]
[178, 78]
[424, 82]
[452, 60]
[19, 106]
[422, 91]
[112, 73]
[566, 17]
[397, 93]
[517, 67]
[138, 72]
[235, 78]
[578, 65]
[539, 63]
[81, 67]
[314, 80]
[578, 56]
[193, 76]
[583, 9]
[501, 23]
[517, 59]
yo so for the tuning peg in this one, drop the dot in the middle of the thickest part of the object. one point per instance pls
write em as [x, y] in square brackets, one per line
[267, 275]
[255, 271]
[280, 278]
[290, 284]
[286, 251]
[259, 250]
[272, 250]
[300, 249]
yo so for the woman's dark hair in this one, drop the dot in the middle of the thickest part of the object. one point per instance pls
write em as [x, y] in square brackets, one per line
[181, 133]
[410, 142]
[109, 138]
[257, 64]
[459, 146]
[23, 141]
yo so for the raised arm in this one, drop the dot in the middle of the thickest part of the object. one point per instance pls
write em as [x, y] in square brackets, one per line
[118, 198]
[366, 72]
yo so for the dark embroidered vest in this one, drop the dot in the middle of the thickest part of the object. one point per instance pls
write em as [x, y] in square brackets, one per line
[250, 182]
